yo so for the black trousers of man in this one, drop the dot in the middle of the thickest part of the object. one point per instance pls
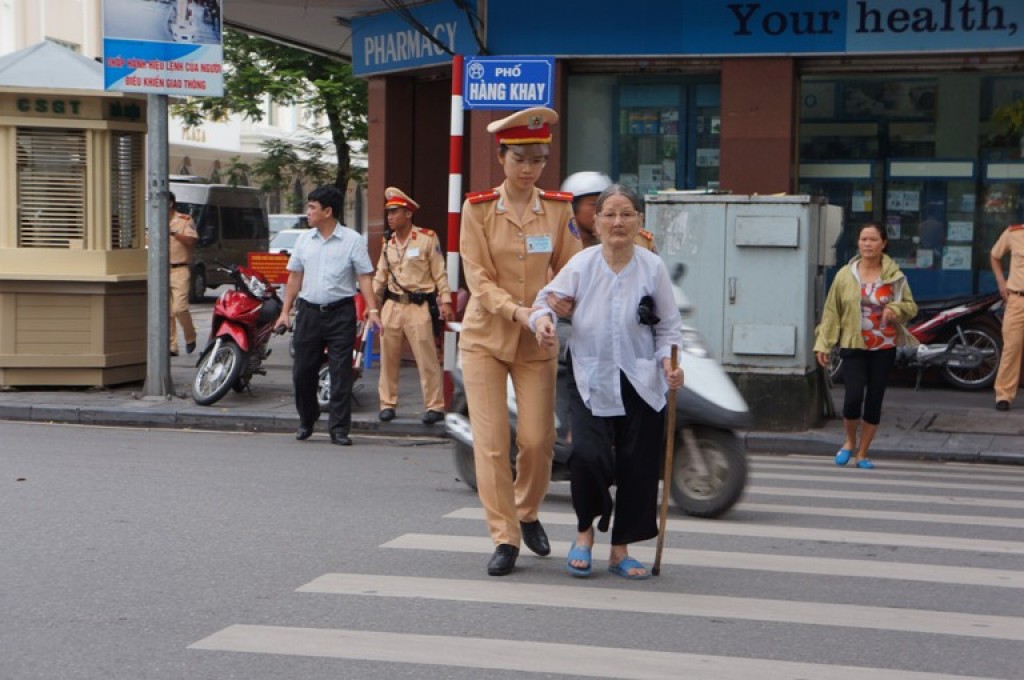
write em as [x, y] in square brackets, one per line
[317, 327]
[624, 451]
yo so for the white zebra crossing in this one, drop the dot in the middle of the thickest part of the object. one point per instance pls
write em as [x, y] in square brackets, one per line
[555, 658]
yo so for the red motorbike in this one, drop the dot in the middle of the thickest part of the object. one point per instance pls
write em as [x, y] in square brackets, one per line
[961, 337]
[243, 321]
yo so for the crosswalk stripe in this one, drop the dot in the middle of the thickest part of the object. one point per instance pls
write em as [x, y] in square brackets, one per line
[876, 480]
[529, 656]
[727, 528]
[865, 514]
[676, 604]
[930, 470]
[715, 559]
[965, 501]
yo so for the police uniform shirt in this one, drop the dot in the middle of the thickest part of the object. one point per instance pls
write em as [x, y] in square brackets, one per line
[331, 267]
[1011, 242]
[418, 266]
[506, 263]
[178, 252]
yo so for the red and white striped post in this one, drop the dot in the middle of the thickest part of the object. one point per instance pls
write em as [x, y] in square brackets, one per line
[454, 216]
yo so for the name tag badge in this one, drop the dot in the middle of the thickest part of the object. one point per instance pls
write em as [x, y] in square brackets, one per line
[539, 244]
[413, 252]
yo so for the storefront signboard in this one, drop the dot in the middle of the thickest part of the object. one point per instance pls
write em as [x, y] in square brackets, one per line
[423, 35]
[171, 48]
[576, 28]
[507, 82]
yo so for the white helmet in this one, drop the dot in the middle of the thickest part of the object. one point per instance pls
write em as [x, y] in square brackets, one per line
[586, 183]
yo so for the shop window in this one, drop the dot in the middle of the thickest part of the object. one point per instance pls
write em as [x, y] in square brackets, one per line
[51, 168]
[125, 179]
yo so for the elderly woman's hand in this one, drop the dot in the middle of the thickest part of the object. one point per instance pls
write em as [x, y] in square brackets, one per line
[545, 334]
[674, 376]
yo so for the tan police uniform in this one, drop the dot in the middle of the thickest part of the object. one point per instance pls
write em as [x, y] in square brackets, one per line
[506, 262]
[415, 266]
[180, 257]
[1011, 242]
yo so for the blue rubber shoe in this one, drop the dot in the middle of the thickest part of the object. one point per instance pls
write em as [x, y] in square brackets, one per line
[865, 464]
[623, 567]
[578, 554]
[843, 457]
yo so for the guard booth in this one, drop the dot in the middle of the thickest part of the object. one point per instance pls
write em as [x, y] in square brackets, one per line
[72, 251]
[754, 275]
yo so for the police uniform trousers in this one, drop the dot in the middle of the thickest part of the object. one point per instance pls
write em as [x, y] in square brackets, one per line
[412, 321]
[507, 502]
[1008, 377]
[179, 285]
[624, 451]
[316, 328]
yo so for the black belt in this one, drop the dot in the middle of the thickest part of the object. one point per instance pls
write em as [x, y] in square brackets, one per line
[406, 298]
[327, 307]
[1015, 292]
[178, 264]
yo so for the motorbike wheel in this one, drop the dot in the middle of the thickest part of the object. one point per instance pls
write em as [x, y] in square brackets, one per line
[197, 285]
[465, 466]
[218, 371]
[984, 337]
[725, 463]
[323, 387]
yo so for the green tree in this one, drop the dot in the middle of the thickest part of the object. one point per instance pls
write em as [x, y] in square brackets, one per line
[325, 88]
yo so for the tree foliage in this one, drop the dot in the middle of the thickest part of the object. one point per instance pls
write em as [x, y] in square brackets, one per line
[255, 69]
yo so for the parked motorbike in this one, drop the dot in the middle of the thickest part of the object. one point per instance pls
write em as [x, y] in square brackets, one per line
[243, 321]
[709, 465]
[961, 337]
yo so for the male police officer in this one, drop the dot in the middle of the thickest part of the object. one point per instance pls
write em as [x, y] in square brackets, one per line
[183, 239]
[1011, 243]
[409, 272]
[585, 187]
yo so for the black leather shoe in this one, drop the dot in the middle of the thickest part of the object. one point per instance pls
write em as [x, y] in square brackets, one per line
[535, 538]
[303, 433]
[1002, 405]
[386, 414]
[341, 439]
[431, 417]
[190, 347]
[503, 561]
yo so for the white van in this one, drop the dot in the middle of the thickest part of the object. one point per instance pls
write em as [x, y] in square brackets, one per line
[231, 223]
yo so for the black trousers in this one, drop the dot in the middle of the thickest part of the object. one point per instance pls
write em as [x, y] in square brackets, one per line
[624, 451]
[335, 330]
[865, 374]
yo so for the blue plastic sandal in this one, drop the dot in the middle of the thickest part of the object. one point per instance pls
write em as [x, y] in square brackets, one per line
[865, 464]
[623, 567]
[578, 554]
[843, 457]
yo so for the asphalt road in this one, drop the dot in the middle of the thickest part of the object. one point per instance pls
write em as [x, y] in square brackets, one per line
[142, 554]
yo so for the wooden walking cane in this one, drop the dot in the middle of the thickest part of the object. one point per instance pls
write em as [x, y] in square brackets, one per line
[670, 441]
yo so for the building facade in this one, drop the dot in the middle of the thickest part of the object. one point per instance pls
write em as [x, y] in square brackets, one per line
[887, 108]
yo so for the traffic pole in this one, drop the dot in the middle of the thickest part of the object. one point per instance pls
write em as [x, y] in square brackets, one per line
[454, 217]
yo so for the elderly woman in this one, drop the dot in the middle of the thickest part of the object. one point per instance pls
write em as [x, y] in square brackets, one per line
[619, 371]
[865, 312]
[511, 238]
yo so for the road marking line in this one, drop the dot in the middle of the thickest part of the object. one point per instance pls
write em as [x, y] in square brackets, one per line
[885, 497]
[863, 514]
[878, 480]
[716, 559]
[967, 471]
[528, 656]
[674, 604]
[721, 527]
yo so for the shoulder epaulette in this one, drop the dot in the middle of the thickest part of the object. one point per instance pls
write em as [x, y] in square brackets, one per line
[557, 195]
[647, 235]
[483, 196]
[425, 231]
[1015, 227]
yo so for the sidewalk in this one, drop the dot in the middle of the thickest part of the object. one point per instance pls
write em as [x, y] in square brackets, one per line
[935, 422]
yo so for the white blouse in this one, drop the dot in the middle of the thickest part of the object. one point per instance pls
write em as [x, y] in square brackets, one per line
[606, 334]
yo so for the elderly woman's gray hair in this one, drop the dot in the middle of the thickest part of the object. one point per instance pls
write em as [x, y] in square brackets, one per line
[620, 190]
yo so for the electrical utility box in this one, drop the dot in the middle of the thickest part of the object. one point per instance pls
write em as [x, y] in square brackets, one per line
[754, 274]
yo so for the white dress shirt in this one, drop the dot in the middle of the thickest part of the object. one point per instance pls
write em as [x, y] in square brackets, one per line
[606, 334]
[331, 266]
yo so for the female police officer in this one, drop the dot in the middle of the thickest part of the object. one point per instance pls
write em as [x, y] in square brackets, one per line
[511, 238]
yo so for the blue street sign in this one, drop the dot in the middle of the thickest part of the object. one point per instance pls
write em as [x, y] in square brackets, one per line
[507, 82]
